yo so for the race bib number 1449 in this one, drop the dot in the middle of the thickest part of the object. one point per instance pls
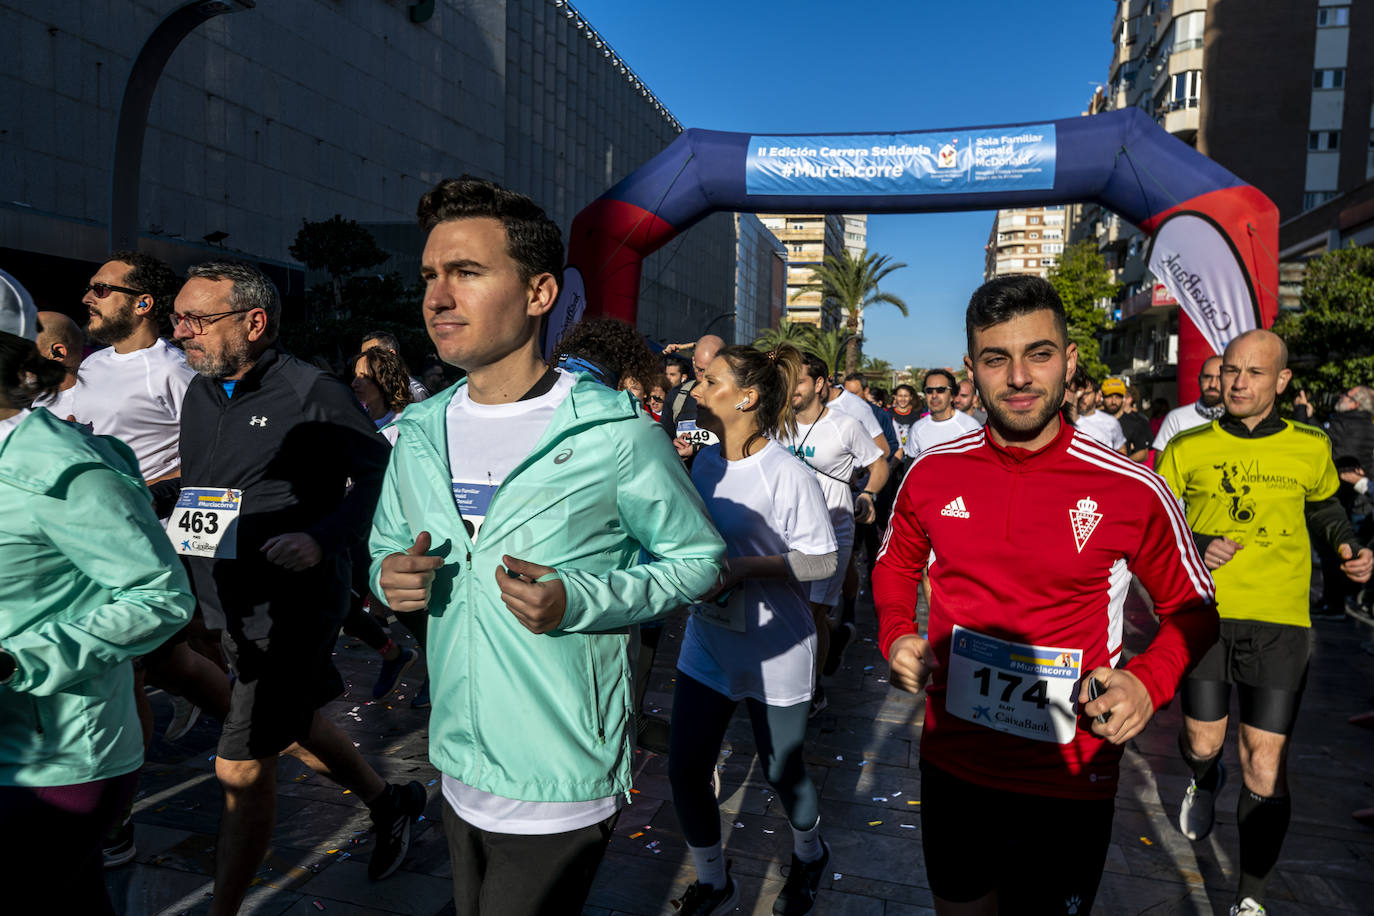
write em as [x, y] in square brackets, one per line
[1013, 687]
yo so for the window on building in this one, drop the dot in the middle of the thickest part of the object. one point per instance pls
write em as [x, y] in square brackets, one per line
[1054, 233]
[1329, 79]
[1033, 220]
[1187, 31]
[1312, 199]
[1332, 16]
[1185, 89]
[1323, 140]
[1052, 248]
[1033, 235]
[1032, 262]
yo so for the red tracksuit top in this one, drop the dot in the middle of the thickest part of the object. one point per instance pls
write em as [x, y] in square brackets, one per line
[1038, 548]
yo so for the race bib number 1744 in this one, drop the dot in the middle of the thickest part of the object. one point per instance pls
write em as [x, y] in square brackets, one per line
[1010, 687]
[205, 522]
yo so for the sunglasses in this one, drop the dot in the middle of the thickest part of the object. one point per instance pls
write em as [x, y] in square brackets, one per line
[103, 290]
[657, 398]
[197, 323]
[940, 390]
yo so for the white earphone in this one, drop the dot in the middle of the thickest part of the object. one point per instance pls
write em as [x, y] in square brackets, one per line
[742, 404]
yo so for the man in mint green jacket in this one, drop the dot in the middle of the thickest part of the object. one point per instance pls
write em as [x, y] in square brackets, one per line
[515, 509]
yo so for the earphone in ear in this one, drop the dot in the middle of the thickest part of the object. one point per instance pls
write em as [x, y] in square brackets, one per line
[742, 404]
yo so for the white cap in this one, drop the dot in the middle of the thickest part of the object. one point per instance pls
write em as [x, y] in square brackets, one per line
[18, 316]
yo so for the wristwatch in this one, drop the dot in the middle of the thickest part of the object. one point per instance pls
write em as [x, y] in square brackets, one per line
[7, 666]
[870, 494]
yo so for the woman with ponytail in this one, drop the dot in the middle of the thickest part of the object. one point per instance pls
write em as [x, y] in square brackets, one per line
[90, 581]
[753, 638]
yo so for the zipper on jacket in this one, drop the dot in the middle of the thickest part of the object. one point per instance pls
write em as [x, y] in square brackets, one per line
[37, 719]
[1011, 500]
[597, 721]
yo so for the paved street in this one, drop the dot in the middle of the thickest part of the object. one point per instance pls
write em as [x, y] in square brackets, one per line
[863, 755]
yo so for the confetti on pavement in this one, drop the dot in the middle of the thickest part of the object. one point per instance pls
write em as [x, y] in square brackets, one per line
[874, 823]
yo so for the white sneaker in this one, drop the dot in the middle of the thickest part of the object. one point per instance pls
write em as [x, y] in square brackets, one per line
[1248, 907]
[184, 716]
[1196, 813]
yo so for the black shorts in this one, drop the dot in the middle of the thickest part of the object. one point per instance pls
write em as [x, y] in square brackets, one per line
[1040, 854]
[1267, 662]
[280, 683]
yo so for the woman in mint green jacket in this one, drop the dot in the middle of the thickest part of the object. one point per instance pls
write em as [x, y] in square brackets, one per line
[88, 580]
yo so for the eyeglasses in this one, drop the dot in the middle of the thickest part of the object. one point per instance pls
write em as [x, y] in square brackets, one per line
[103, 290]
[934, 390]
[197, 323]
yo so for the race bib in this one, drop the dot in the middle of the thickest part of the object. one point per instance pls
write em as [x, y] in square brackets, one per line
[1012, 687]
[473, 499]
[728, 615]
[205, 522]
[688, 429]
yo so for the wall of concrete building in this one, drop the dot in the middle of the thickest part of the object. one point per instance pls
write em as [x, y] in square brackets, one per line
[760, 291]
[301, 110]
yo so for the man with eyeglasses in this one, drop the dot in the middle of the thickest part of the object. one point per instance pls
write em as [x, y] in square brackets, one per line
[943, 423]
[266, 519]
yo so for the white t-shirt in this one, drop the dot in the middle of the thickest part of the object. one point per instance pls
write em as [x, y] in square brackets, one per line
[764, 505]
[903, 425]
[136, 397]
[1179, 419]
[485, 443]
[847, 402]
[8, 425]
[1103, 427]
[834, 447]
[930, 432]
[62, 404]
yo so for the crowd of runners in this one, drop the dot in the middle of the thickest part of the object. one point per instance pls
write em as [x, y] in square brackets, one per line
[192, 508]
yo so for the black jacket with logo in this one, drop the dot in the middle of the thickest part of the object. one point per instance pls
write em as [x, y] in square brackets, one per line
[291, 438]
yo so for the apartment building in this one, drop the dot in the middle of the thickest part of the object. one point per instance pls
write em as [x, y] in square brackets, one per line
[1025, 240]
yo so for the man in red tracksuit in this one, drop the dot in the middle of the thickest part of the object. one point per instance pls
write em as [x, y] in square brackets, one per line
[1032, 532]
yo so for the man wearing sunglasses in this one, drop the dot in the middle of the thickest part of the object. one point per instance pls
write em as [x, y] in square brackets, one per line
[943, 423]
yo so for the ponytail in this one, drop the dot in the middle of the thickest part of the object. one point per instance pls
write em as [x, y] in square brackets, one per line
[24, 374]
[774, 375]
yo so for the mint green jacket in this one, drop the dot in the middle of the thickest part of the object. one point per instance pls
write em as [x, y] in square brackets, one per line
[547, 717]
[88, 580]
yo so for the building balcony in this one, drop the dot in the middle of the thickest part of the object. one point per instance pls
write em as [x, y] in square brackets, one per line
[1181, 119]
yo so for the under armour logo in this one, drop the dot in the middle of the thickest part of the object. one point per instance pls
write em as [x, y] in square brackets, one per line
[258, 421]
[562, 456]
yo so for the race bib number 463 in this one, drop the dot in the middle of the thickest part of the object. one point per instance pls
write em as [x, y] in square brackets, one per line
[1011, 687]
[205, 522]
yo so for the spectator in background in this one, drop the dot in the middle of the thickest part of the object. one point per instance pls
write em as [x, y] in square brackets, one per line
[905, 412]
[966, 400]
[1350, 426]
[1205, 409]
[388, 341]
[1118, 402]
[60, 340]
[658, 392]
[1098, 424]
[679, 418]
[382, 385]
[677, 370]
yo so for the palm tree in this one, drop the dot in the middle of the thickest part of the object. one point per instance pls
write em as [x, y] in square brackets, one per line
[797, 333]
[853, 282]
[830, 347]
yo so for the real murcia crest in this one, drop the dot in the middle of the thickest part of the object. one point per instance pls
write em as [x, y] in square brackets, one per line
[1084, 519]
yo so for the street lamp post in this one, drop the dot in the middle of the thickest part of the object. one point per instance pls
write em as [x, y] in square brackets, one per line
[127, 167]
[712, 322]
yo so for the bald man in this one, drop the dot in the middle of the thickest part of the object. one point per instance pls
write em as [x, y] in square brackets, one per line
[60, 340]
[679, 419]
[1253, 484]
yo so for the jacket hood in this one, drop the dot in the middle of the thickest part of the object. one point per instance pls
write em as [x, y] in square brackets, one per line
[44, 452]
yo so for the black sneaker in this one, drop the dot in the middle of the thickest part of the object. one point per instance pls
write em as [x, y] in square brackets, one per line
[798, 895]
[119, 848]
[705, 900]
[392, 822]
[391, 672]
[840, 638]
[652, 733]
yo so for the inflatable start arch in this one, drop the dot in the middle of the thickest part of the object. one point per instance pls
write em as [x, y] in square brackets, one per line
[1213, 236]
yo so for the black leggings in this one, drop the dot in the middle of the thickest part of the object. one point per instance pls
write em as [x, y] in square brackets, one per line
[700, 717]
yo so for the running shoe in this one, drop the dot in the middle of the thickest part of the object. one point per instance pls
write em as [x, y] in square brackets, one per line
[705, 900]
[652, 733]
[818, 702]
[1198, 808]
[798, 895]
[391, 672]
[421, 698]
[184, 716]
[119, 848]
[1248, 907]
[392, 823]
[840, 638]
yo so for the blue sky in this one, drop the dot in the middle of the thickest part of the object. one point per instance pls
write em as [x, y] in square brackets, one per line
[807, 66]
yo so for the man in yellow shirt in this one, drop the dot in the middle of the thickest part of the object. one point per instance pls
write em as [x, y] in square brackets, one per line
[1252, 483]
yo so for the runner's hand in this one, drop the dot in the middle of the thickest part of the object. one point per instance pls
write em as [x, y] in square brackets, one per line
[912, 661]
[539, 606]
[684, 448]
[296, 551]
[1125, 698]
[406, 577]
[864, 512]
[727, 578]
[1351, 477]
[1357, 566]
[1220, 552]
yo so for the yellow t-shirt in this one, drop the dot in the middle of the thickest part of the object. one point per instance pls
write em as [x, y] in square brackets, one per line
[1253, 491]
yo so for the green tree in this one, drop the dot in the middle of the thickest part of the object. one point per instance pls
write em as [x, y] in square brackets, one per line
[1331, 340]
[853, 283]
[339, 247]
[797, 333]
[830, 347]
[1082, 280]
